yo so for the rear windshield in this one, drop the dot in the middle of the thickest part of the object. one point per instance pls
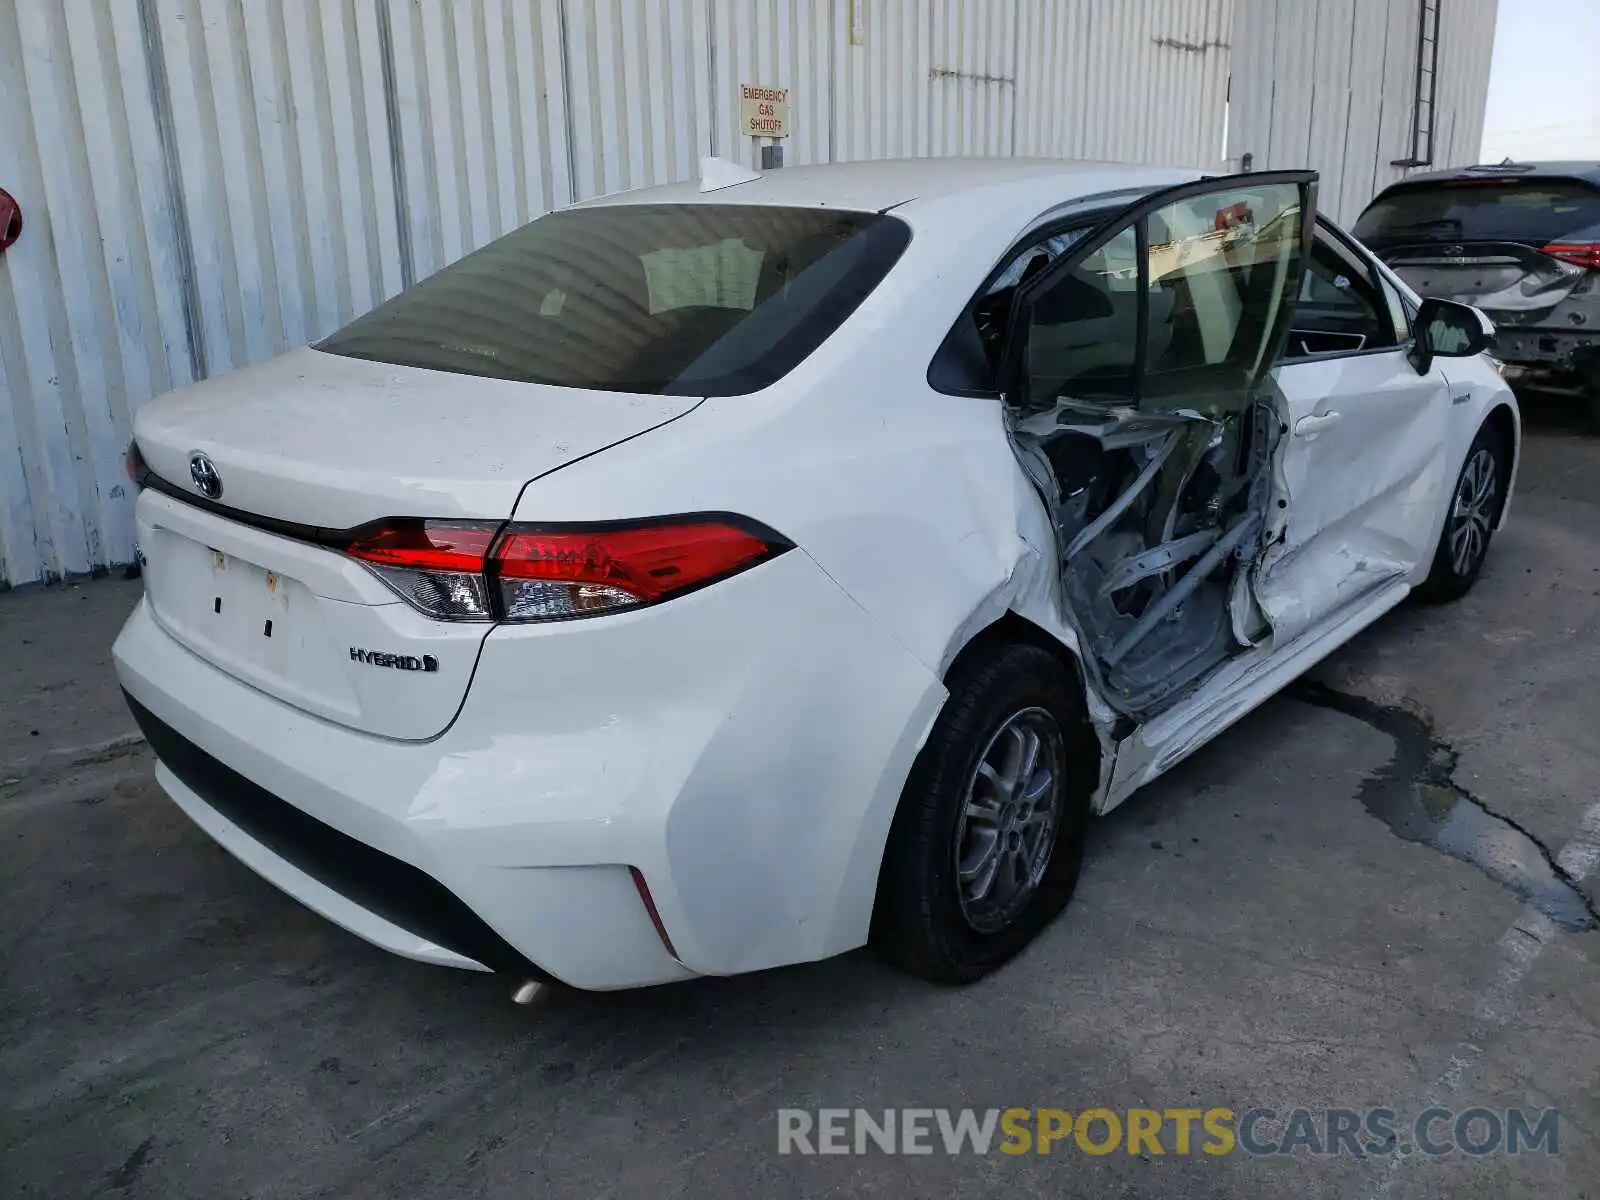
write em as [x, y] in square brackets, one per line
[672, 299]
[1482, 210]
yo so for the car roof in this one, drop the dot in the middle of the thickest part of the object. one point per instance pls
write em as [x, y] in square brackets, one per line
[882, 184]
[1588, 171]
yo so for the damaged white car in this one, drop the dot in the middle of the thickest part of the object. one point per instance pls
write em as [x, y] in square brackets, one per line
[714, 577]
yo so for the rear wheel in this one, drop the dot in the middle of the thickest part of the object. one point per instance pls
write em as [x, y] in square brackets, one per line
[1474, 509]
[987, 843]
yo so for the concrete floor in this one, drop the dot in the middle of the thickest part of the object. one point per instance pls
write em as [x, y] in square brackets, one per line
[1247, 934]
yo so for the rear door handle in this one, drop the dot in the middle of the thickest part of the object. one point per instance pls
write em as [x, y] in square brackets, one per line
[1309, 427]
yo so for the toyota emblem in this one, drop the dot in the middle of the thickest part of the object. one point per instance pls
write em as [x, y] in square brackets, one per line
[1454, 251]
[204, 473]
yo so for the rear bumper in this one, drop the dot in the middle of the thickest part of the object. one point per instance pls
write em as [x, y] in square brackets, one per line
[742, 747]
[386, 900]
[1547, 353]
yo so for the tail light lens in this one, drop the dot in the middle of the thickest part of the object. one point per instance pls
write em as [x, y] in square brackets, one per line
[1579, 254]
[546, 574]
[458, 571]
[435, 566]
[133, 464]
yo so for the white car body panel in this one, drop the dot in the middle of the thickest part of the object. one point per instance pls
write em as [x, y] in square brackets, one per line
[645, 755]
[311, 892]
[1477, 389]
[214, 584]
[744, 747]
[319, 439]
[1360, 481]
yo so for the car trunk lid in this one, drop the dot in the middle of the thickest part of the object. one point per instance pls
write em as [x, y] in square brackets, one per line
[327, 441]
[308, 447]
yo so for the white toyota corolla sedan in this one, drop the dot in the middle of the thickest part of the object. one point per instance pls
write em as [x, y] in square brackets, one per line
[728, 574]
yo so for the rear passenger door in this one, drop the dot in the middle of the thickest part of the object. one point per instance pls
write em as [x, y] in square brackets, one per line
[1150, 344]
[1361, 467]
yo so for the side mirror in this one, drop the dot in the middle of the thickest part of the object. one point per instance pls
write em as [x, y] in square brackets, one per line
[1445, 329]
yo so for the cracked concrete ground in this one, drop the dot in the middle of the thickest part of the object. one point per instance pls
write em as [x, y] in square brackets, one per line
[1248, 934]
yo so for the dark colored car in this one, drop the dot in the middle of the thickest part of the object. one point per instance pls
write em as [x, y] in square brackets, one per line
[1521, 241]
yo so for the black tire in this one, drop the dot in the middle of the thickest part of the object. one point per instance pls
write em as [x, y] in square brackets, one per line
[1453, 575]
[922, 922]
[1592, 396]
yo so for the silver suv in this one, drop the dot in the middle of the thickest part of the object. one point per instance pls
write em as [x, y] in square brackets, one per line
[1521, 241]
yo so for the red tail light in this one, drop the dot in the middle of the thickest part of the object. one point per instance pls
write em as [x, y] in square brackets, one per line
[435, 566]
[428, 545]
[133, 464]
[470, 571]
[562, 573]
[1579, 254]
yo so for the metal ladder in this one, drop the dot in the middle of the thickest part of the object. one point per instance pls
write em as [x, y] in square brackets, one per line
[1427, 87]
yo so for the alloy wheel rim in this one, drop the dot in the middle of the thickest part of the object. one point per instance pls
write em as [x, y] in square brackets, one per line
[1009, 819]
[1472, 512]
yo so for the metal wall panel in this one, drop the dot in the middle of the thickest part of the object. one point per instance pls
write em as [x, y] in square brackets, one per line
[209, 182]
[773, 43]
[480, 117]
[882, 81]
[1135, 82]
[973, 77]
[1141, 82]
[1466, 49]
[1331, 85]
[88, 326]
[280, 146]
[640, 105]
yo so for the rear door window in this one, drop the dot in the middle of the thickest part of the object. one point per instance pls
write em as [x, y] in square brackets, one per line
[1481, 210]
[684, 299]
[1083, 331]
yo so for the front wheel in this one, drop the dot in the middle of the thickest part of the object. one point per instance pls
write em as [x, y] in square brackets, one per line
[987, 843]
[1468, 526]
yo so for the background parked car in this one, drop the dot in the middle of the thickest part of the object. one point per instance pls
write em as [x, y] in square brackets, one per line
[1520, 241]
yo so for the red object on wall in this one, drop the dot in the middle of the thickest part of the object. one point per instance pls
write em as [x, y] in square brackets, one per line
[10, 220]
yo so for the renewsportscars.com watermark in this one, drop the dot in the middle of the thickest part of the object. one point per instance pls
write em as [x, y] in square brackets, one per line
[1357, 1133]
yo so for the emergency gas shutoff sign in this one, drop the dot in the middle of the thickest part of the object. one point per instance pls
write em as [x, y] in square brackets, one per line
[764, 111]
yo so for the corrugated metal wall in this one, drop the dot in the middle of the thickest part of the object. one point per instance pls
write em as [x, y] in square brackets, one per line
[90, 322]
[1332, 84]
[1083, 59]
[209, 182]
